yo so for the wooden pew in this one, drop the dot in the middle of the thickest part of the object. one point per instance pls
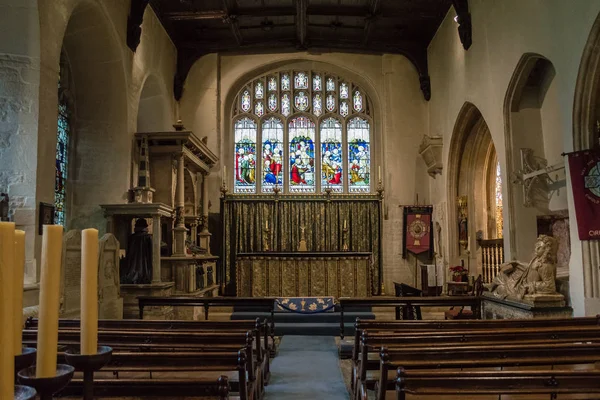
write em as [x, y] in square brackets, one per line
[458, 301]
[457, 385]
[201, 389]
[259, 327]
[499, 356]
[160, 366]
[167, 341]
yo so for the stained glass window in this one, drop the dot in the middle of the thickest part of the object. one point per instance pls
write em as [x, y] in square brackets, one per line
[344, 91]
[301, 81]
[499, 218]
[344, 108]
[358, 101]
[359, 155]
[272, 102]
[245, 156]
[259, 108]
[317, 86]
[275, 127]
[246, 101]
[285, 82]
[302, 155]
[259, 90]
[285, 104]
[317, 105]
[330, 84]
[272, 157]
[62, 157]
[272, 84]
[331, 152]
[301, 101]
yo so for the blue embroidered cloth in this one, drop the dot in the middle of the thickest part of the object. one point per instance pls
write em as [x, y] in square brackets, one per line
[305, 305]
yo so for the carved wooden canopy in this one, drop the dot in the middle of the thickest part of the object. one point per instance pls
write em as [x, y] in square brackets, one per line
[199, 27]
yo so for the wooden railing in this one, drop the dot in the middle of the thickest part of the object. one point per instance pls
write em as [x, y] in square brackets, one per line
[492, 256]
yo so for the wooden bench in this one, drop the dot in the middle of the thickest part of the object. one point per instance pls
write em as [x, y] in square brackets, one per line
[201, 389]
[259, 327]
[499, 356]
[490, 385]
[409, 302]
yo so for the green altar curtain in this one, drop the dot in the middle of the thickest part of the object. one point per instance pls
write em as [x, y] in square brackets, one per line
[245, 220]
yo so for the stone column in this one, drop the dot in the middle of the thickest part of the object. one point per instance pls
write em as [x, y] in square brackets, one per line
[205, 234]
[180, 231]
[156, 240]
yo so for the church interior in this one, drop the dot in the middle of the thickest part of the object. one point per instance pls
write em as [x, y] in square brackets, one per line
[299, 199]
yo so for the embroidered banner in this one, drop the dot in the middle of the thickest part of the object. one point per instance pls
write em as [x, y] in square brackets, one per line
[584, 167]
[417, 237]
[305, 305]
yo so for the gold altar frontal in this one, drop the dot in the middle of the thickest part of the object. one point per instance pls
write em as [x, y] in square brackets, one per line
[339, 274]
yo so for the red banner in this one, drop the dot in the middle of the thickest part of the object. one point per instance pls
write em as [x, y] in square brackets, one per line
[585, 180]
[417, 231]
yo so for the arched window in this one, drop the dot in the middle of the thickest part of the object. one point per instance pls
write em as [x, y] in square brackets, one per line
[314, 131]
[63, 137]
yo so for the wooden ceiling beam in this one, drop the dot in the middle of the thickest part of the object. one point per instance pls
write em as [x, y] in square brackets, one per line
[465, 29]
[231, 19]
[301, 21]
[369, 21]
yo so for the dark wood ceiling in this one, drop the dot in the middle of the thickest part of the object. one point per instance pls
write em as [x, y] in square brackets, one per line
[199, 27]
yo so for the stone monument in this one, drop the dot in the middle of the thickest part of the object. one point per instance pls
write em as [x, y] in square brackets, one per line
[70, 282]
[110, 302]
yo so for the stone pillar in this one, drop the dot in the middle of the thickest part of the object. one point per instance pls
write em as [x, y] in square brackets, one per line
[179, 230]
[156, 240]
[205, 234]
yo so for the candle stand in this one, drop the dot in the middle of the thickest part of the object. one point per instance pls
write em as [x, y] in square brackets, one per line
[24, 360]
[88, 364]
[46, 387]
[24, 393]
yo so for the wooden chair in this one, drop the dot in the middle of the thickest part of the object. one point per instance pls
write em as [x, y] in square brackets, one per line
[460, 312]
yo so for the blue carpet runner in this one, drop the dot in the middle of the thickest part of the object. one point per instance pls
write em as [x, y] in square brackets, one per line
[306, 368]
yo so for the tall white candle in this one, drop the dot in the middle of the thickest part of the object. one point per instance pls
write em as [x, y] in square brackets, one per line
[89, 291]
[18, 279]
[7, 361]
[267, 224]
[224, 174]
[47, 340]
[345, 224]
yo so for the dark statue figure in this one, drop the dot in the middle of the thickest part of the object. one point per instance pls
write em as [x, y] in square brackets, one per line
[3, 207]
[138, 261]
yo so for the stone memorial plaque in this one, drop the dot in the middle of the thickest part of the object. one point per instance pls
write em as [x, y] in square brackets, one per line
[110, 302]
[70, 284]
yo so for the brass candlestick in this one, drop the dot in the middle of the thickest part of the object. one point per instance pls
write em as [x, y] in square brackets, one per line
[345, 239]
[265, 238]
[46, 387]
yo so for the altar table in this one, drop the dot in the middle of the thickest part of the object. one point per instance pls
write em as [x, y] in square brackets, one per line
[297, 274]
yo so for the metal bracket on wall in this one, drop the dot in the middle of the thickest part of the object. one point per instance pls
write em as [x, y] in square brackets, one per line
[535, 177]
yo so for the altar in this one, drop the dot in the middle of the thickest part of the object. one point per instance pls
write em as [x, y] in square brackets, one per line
[310, 274]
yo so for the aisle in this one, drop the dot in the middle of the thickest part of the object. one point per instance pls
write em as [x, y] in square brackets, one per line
[306, 368]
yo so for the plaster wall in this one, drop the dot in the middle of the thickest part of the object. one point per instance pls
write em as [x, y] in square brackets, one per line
[400, 120]
[108, 79]
[502, 33]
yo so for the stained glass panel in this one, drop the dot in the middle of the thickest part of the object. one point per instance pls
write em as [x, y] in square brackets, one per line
[285, 105]
[499, 217]
[344, 108]
[245, 156]
[344, 91]
[62, 157]
[317, 85]
[272, 102]
[331, 152]
[358, 101]
[302, 155]
[285, 82]
[259, 108]
[301, 101]
[259, 90]
[330, 103]
[359, 155]
[301, 80]
[272, 148]
[317, 105]
[272, 84]
[246, 101]
[330, 85]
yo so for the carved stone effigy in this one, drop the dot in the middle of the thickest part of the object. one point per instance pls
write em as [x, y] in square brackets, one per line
[528, 290]
[341, 274]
